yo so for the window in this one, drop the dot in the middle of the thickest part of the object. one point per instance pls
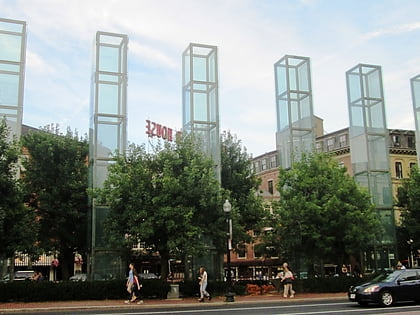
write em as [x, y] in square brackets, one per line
[398, 170]
[273, 161]
[410, 141]
[343, 141]
[241, 250]
[263, 164]
[330, 144]
[258, 250]
[257, 166]
[396, 140]
[412, 164]
[270, 187]
[318, 146]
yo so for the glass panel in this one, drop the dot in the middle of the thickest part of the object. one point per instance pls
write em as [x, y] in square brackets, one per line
[10, 47]
[11, 27]
[100, 214]
[303, 77]
[292, 79]
[305, 107]
[281, 80]
[378, 153]
[108, 99]
[108, 136]
[186, 69]
[187, 106]
[355, 92]
[108, 78]
[212, 67]
[199, 87]
[108, 59]
[376, 115]
[9, 89]
[283, 118]
[356, 116]
[199, 69]
[200, 106]
[213, 107]
[373, 82]
[9, 67]
[294, 111]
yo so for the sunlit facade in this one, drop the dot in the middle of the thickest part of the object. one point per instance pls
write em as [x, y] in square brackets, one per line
[107, 135]
[12, 73]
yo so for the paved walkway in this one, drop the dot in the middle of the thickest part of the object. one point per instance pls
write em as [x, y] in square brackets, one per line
[109, 304]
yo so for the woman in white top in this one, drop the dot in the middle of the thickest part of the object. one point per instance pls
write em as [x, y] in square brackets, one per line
[203, 285]
[287, 279]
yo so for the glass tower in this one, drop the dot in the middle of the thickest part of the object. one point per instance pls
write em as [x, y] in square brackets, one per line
[370, 154]
[200, 117]
[415, 93]
[12, 73]
[200, 99]
[107, 135]
[295, 126]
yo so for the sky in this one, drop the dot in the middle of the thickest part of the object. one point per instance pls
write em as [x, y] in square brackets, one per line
[251, 36]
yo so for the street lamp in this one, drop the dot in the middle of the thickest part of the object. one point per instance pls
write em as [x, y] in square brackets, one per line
[227, 207]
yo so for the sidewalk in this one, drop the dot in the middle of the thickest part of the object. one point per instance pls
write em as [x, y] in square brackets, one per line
[109, 304]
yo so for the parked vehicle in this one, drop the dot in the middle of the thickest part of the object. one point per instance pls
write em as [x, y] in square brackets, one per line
[388, 288]
[79, 277]
[148, 276]
[23, 275]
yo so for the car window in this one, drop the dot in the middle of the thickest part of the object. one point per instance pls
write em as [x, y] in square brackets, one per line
[390, 277]
[409, 275]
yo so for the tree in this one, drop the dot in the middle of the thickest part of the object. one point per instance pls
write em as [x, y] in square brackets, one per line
[408, 198]
[238, 178]
[168, 199]
[56, 181]
[322, 212]
[17, 223]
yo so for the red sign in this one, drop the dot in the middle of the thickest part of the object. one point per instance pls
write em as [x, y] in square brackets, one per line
[157, 130]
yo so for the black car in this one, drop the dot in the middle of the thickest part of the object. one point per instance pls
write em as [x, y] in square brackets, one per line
[388, 288]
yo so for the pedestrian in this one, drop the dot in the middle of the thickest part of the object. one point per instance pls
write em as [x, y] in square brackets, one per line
[287, 279]
[203, 285]
[133, 285]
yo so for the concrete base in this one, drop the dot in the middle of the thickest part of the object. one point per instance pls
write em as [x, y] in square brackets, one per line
[230, 297]
[173, 291]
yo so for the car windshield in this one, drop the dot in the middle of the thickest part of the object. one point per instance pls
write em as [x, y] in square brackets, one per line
[386, 277]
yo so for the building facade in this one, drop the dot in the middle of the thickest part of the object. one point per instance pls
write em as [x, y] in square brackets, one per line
[402, 153]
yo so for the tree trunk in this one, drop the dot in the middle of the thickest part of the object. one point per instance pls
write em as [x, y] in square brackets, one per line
[164, 267]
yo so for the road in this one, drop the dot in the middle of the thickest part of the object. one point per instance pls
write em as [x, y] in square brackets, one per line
[337, 306]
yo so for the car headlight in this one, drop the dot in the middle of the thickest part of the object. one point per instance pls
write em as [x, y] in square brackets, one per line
[373, 288]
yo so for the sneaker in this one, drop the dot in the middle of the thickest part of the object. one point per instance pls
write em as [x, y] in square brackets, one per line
[209, 297]
[127, 302]
[140, 302]
[201, 300]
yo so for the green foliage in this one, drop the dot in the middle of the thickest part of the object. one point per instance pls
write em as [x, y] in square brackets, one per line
[56, 179]
[408, 197]
[167, 199]
[322, 212]
[17, 228]
[238, 178]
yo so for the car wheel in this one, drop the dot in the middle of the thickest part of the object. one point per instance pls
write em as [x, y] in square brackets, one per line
[386, 298]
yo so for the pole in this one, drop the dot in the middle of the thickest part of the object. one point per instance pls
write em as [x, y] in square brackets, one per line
[230, 297]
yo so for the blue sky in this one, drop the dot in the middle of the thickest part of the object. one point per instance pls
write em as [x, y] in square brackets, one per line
[251, 36]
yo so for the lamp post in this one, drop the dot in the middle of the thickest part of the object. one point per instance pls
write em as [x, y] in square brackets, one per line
[227, 207]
